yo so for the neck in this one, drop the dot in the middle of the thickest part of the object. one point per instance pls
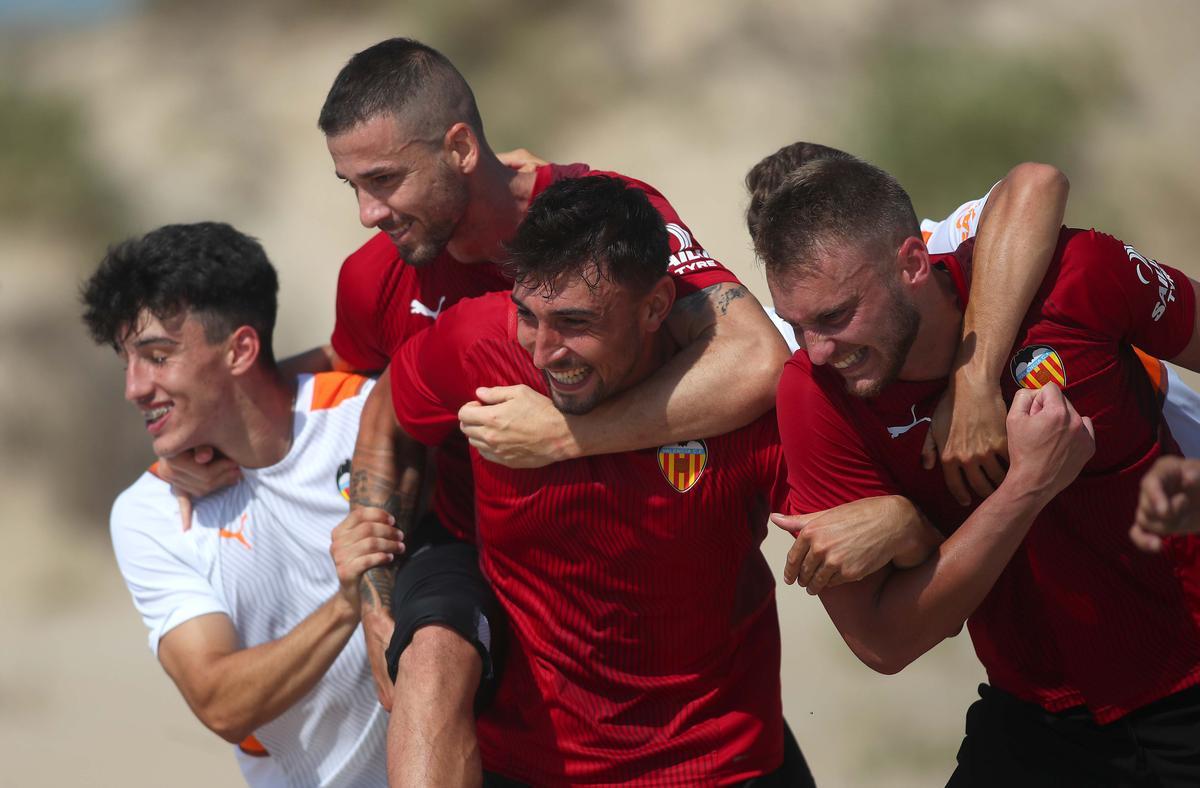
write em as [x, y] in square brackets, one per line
[933, 351]
[258, 430]
[498, 198]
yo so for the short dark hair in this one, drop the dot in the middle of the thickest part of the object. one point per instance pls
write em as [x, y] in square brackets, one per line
[595, 224]
[828, 202]
[768, 175]
[220, 275]
[407, 79]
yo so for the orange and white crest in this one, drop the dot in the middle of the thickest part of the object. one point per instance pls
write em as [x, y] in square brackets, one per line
[683, 464]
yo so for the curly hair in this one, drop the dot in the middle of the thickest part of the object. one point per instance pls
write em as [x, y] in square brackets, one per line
[220, 275]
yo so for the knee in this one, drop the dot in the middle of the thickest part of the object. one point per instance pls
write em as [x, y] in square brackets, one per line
[437, 655]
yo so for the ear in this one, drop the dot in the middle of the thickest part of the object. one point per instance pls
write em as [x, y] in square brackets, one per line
[243, 347]
[912, 259]
[461, 147]
[656, 304]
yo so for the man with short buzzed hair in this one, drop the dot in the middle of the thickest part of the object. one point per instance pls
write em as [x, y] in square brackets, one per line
[1090, 646]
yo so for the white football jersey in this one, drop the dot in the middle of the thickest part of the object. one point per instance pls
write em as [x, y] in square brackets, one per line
[258, 552]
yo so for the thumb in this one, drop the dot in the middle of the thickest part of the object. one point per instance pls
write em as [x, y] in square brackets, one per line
[792, 523]
[185, 509]
[929, 451]
[203, 454]
[493, 395]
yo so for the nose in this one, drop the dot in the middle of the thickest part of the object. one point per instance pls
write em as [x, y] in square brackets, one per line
[371, 210]
[819, 347]
[138, 385]
[547, 347]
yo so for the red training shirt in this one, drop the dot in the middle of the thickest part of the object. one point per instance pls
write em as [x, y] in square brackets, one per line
[646, 642]
[1079, 615]
[382, 302]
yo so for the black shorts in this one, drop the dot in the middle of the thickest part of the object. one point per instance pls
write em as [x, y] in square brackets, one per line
[440, 583]
[1010, 742]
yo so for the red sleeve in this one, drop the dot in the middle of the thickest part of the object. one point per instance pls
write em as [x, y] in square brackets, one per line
[774, 469]
[1110, 287]
[827, 461]
[692, 266]
[356, 330]
[431, 377]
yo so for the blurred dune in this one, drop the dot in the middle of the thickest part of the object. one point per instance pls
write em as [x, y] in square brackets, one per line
[115, 124]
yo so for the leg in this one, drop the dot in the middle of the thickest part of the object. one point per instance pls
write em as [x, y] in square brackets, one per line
[444, 658]
[431, 736]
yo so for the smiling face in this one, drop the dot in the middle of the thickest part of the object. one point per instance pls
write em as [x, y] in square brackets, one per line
[590, 341]
[405, 187]
[852, 316]
[177, 379]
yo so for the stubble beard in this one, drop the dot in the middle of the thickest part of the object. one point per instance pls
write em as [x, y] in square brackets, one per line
[907, 321]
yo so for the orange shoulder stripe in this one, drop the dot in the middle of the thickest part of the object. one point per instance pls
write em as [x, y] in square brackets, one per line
[332, 388]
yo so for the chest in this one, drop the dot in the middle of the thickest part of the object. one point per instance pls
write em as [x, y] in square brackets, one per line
[413, 298]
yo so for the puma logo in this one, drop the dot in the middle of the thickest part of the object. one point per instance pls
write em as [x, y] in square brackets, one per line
[420, 309]
[896, 432]
[237, 534]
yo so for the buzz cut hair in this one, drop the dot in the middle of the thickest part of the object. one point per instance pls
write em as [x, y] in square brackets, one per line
[409, 80]
[769, 174]
[829, 204]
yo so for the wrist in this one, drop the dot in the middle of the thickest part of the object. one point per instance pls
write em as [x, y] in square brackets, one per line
[346, 606]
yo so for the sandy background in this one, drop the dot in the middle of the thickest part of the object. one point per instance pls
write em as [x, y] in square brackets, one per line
[114, 121]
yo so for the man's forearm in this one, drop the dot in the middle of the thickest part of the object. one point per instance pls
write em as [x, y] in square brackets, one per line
[386, 473]
[1018, 233]
[911, 610]
[723, 378]
[247, 688]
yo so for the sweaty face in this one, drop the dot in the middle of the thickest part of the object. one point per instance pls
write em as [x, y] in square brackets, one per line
[176, 379]
[852, 317]
[404, 186]
[588, 341]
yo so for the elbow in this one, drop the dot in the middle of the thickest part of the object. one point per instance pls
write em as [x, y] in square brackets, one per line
[231, 727]
[882, 655]
[1041, 179]
[759, 371]
[883, 661]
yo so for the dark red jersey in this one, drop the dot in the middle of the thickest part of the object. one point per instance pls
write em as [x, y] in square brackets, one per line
[381, 302]
[646, 639]
[1079, 615]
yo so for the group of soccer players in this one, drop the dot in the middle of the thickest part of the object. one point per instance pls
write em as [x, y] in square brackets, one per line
[545, 441]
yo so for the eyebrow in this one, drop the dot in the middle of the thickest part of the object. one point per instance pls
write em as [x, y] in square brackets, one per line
[589, 313]
[154, 340]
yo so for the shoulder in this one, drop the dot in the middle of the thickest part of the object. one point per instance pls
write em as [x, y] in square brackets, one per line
[475, 320]
[143, 504]
[370, 260]
[333, 390]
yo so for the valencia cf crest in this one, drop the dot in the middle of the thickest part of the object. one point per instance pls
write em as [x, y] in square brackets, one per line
[683, 464]
[1037, 365]
[343, 479]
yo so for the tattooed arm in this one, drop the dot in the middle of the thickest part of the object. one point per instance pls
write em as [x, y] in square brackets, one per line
[388, 467]
[723, 378]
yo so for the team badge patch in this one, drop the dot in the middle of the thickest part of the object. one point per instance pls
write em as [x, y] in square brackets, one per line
[343, 479]
[1037, 365]
[683, 464]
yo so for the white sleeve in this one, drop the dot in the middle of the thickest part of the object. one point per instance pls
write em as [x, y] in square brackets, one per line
[159, 562]
[945, 236]
[789, 333]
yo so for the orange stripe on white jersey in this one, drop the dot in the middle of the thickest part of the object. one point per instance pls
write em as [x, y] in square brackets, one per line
[332, 388]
